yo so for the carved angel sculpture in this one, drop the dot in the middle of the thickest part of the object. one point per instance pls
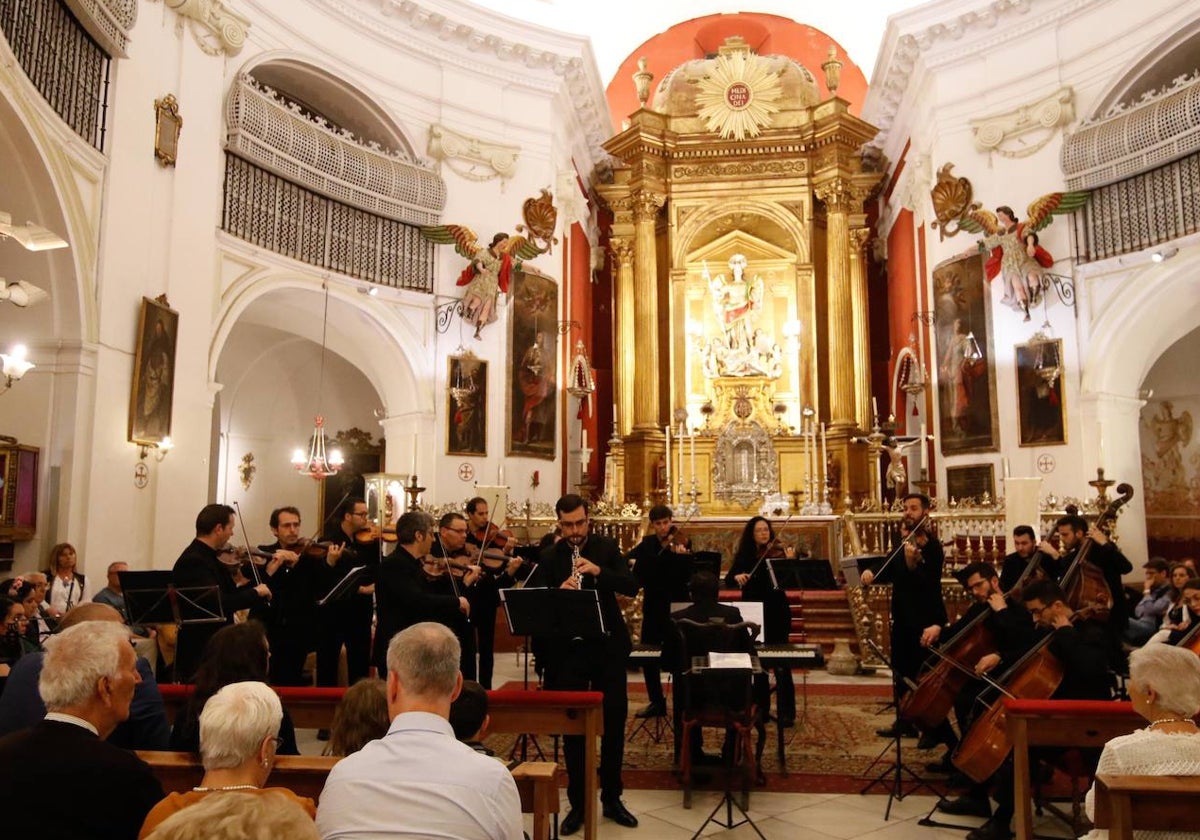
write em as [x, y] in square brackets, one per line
[490, 270]
[1015, 252]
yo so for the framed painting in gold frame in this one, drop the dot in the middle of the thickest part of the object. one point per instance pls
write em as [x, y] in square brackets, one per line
[153, 390]
[1041, 404]
[971, 482]
[466, 406]
[531, 415]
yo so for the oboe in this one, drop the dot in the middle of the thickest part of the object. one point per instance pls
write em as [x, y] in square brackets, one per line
[575, 573]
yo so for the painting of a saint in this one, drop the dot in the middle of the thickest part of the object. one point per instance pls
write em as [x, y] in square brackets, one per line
[467, 406]
[966, 373]
[1040, 393]
[532, 349]
[153, 373]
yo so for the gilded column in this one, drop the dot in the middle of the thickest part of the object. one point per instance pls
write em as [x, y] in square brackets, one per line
[622, 251]
[862, 338]
[645, 294]
[840, 328]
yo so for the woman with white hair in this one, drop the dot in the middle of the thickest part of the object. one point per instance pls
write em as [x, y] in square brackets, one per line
[239, 734]
[1164, 685]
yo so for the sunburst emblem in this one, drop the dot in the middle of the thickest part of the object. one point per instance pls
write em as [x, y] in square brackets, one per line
[739, 95]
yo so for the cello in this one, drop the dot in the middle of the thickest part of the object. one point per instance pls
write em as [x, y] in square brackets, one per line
[1083, 582]
[931, 701]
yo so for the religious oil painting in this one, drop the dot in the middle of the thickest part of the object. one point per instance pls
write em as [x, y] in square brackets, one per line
[531, 413]
[153, 373]
[1041, 410]
[971, 482]
[466, 406]
[965, 357]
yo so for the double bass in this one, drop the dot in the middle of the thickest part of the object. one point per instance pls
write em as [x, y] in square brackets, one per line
[1083, 582]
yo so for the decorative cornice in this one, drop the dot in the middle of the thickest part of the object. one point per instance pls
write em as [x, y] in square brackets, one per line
[1047, 114]
[108, 21]
[935, 37]
[582, 81]
[472, 157]
[215, 27]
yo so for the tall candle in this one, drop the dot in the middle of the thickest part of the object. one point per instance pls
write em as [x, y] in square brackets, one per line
[1006, 473]
[414, 461]
[667, 428]
[693, 436]
[584, 444]
[874, 410]
[821, 488]
[921, 445]
[500, 475]
[681, 469]
[1100, 454]
[810, 456]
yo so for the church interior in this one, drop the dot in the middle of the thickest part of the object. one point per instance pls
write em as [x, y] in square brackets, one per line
[777, 262]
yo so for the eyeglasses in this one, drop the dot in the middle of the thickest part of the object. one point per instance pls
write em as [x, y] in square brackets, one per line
[457, 530]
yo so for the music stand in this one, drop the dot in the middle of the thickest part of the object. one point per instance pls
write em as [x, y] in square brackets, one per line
[897, 768]
[152, 598]
[345, 587]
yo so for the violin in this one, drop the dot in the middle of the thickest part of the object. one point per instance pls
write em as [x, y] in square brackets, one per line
[371, 533]
[494, 547]
[675, 539]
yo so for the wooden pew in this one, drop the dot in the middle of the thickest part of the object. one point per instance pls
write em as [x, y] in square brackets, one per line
[1059, 723]
[304, 775]
[1157, 803]
[512, 712]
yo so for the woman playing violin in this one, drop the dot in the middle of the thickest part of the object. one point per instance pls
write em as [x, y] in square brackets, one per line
[752, 575]
[495, 546]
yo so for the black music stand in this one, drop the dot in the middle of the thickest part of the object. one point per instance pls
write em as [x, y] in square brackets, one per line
[152, 598]
[893, 774]
[344, 588]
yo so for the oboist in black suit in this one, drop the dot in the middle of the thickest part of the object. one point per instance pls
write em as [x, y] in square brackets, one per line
[916, 578]
[87, 682]
[653, 558]
[582, 560]
[348, 621]
[200, 566]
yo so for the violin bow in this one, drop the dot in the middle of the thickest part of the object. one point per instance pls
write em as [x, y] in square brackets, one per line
[677, 529]
[762, 556]
[246, 538]
[487, 529]
[954, 663]
[910, 538]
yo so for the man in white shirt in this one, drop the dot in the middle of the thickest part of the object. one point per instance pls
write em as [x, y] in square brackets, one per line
[418, 780]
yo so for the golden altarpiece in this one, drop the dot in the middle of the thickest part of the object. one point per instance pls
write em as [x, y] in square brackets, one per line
[741, 291]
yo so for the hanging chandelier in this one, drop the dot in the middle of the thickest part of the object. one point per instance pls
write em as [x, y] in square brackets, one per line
[317, 465]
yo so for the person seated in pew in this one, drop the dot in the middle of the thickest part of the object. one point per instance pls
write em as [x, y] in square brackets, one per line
[469, 716]
[418, 780]
[1149, 612]
[1164, 685]
[21, 705]
[239, 734]
[239, 816]
[1186, 624]
[236, 653]
[361, 717]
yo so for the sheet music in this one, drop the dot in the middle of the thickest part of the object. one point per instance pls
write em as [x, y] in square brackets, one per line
[730, 660]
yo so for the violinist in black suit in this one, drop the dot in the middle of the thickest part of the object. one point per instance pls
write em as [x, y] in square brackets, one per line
[588, 561]
[752, 574]
[348, 621]
[653, 558]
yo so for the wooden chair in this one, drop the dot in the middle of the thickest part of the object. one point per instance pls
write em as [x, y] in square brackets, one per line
[1153, 803]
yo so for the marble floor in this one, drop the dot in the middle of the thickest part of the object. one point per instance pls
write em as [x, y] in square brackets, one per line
[782, 816]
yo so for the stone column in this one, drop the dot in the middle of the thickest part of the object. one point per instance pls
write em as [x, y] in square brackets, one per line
[645, 286]
[835, 194]
[622, 252]
[862, 338]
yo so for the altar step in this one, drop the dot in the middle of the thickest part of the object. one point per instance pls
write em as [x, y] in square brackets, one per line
[819, 616]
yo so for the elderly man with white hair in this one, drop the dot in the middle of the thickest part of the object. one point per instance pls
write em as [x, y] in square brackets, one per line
[1164, 685]
[68, 780]
[239, 733]
[418, 780]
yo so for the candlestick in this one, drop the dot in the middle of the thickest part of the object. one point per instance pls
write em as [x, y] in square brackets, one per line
[1100, 453]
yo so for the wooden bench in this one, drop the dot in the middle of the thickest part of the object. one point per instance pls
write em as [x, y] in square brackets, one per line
[1156, 803]
[512, 712]
[304, 775]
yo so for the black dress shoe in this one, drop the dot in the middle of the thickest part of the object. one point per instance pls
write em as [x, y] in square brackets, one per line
[990, 830]
[943, 766]
[966, 806]
[572, 822]
[652, 710]
[616, 811]
[929, 740]
[905, 730]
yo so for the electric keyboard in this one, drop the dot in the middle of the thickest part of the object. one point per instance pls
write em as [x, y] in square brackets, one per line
[804, 655]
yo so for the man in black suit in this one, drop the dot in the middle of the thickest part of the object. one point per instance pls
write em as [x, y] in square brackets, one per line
[1025, 546]
[583, 560]
[87, 682]
[348, 621]
[200, 567]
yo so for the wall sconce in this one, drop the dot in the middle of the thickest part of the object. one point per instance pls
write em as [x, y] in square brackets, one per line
[160, 449]
[1163, 254]
[32, 236]
[15, 366]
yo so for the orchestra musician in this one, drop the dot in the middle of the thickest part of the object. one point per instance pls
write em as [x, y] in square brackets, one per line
[199, 567]
[414, 586]
[753, 575]
[654, 573]
[1025, 548]
[450, 571]
[584, 560]
[1080, 647]
[296, 579]
[1012, 632]
[348, 621]
[497, 574]
[916, 579]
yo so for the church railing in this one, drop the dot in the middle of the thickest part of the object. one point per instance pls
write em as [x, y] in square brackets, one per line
[69, 68]
[109, 22]
[289, 219]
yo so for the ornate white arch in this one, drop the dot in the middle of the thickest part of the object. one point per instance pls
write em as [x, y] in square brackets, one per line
[784, 217]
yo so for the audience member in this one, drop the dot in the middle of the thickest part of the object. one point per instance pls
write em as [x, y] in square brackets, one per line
[469, 716]
[360, 718]
[114, 596]
[237, 653]
[146, 727]
[46, 622]
[68, 587]
[1156, 601]
[239, 816]
[239, 730]
[67, 780]
[418, 770]
[12, 637]
[1164, 685]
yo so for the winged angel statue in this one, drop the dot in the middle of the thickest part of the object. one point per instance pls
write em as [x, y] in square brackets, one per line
[489, 272]
[1014, 250]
